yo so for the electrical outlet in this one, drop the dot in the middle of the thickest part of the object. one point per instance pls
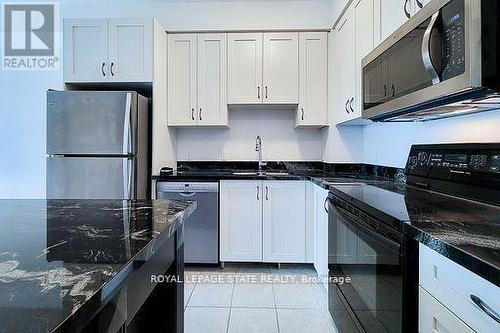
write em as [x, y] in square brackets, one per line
[189, 156]
[223, 155]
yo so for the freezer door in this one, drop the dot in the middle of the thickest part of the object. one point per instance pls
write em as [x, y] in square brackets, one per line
[91, 122]
[90, 178]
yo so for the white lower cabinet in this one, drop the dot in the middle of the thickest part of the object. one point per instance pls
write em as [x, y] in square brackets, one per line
[321, 233]
[241, 220]
[474, 301]
[262, 221]
[284, 221]
[435, 317]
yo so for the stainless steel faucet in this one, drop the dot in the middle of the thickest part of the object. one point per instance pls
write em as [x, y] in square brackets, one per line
[258, 148]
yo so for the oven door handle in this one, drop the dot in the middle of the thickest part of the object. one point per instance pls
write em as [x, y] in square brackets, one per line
[387, 235]
[426, 50]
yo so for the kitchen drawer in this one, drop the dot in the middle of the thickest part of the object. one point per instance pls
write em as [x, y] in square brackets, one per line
[435, 317]
[453, 286]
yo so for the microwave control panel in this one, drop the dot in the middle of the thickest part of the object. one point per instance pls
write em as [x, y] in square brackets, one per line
[453, 39]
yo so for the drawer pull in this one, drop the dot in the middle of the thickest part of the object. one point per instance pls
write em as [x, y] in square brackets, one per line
[483, 306]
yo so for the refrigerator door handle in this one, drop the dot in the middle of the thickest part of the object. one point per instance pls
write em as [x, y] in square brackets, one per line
[127, 178]
[126, 125]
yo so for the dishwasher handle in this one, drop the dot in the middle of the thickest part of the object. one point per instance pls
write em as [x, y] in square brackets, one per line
[187, 188]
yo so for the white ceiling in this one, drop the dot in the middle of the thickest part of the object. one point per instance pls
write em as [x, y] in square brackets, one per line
[225, 0]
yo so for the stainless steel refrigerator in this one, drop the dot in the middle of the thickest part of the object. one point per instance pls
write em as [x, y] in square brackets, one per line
[97, 145]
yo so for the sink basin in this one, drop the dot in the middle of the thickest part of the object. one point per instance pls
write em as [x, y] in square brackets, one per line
[263, 173]
[277, 173]
[246, 173]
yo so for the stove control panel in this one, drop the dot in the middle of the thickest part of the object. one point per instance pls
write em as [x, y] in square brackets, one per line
[447, 161]
[468, 170]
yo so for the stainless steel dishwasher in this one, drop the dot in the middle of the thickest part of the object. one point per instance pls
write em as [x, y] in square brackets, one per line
[201, 231]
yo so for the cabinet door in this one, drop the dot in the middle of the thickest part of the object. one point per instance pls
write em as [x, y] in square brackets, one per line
[313, 79]
[86, 50]
[241, 220]
[347, 68]
[281, 68]
[310, 222]
[393, 14]
[245, 68]
[435, 317]
[321, 255]
[284, 221]
[364, 40]
[181, 80]
[131, 50]
[212, 84]
[417, 5]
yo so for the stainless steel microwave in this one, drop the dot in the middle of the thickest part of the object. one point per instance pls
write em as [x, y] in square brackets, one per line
[443, 62]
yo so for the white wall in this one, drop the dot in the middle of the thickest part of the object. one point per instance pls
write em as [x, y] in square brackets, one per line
[280, 141]
[22, 113]
[388, 144]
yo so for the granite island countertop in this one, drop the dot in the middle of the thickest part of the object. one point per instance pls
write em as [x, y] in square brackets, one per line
[60, 259]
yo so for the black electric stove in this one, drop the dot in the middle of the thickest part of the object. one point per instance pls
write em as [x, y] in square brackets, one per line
[449, 202]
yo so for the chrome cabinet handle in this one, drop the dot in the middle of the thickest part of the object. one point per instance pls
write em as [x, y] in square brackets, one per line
[486, 308]
[406, 11]
[267, 193]
[419, 3]
[426, 52]
[346, 103]
[266, 92]
[258, 92]
[258, 191]
[192, 113]
[102, 69]
[350, 105]
[111, 69]
[393, 89]
[200, 115]
[302, 113]
[324, 205]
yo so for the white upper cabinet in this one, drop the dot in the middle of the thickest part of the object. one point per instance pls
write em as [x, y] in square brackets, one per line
[263, 68]
[391, 15]
[197, 80]
[130, 50]
[119, 50]
[284, 221]
[211, 81]
[245, 68]
[85, 50]
[364, 44]
[345, 76]
[241, 220]
[280, 68]
[182, 80]
[313, 79]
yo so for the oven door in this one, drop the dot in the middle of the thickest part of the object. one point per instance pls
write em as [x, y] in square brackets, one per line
[366, 271]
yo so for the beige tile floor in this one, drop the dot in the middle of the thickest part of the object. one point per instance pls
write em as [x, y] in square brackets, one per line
[255, 298]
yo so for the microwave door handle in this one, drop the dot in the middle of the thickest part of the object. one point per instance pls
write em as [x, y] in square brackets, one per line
[426, 52]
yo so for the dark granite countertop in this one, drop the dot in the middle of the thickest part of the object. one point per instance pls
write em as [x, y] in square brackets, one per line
[462, 230]
[61, 259]
[465, 231]
[319, 173]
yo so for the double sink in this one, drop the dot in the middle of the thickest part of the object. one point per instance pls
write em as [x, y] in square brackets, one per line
[261, 173]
